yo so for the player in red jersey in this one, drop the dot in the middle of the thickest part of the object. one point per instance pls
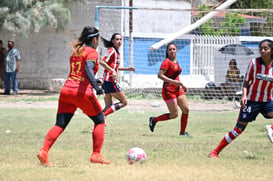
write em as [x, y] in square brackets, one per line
[173, 91]
[257, 94]
[77, 92]
[111, 63]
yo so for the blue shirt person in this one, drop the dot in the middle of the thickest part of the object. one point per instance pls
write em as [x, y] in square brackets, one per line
[13, 60]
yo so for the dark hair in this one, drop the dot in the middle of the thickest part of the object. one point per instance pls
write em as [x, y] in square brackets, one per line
[87, 35]
[270, 44]
[11, 42]
[233, 61]
[1, 41]
[109, 43]
[168, 48]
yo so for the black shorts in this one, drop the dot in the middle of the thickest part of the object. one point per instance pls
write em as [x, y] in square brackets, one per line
[111, 87]
[253, 108]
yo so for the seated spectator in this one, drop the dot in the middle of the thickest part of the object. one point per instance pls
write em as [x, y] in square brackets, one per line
[233, 80]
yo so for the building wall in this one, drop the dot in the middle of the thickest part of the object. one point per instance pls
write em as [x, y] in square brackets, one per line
[152, 21]
[169, 19]
[45, 54]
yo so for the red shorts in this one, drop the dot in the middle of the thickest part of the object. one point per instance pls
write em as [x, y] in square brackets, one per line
[72, 98]
[169, 94]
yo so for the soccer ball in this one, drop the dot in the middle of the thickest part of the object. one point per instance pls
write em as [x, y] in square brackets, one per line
[135, 154]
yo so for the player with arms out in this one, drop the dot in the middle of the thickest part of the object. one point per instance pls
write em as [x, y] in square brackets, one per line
[173, 91]
[257, 94]
[111, 63]
[77, 92]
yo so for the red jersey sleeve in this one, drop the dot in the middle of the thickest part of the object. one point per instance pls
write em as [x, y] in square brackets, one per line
[92, 55]
[249, 71]
[108, 58]
[165, 65]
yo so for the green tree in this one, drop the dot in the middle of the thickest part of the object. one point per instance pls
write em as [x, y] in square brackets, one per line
[253, 4]
[258, 29]
[27, 16]
[230, 25]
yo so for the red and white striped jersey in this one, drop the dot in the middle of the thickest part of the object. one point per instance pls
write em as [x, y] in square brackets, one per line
[260, 78]
[112, 59]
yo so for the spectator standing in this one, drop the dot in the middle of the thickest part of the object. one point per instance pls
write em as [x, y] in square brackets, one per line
[12, 66]
[2, 61]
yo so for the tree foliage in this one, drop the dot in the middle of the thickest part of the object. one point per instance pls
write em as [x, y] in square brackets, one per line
[27, 16]
[252, 4]
[258, 29]
[230, 25]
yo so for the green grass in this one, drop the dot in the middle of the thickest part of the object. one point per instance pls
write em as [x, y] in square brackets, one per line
[31, 99]
[170, 157]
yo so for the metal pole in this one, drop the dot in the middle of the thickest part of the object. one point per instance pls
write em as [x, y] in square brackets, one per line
[131, 39]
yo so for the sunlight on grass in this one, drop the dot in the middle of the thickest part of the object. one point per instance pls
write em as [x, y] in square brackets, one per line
[169, 157]
[32, 99]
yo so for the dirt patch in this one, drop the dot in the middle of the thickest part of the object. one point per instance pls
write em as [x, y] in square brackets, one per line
[45, 99]
[29, 99]
[158, 105]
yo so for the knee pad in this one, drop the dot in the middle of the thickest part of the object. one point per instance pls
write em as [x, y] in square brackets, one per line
[63, 119]
[99, 119]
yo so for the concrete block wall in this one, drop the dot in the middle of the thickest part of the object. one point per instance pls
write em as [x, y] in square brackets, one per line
[45, 55]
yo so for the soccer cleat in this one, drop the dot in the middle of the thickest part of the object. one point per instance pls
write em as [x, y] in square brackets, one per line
[213, 154]
[185, 134]
[43, 157]
[269, 132]
[152, 124]
[98, 158]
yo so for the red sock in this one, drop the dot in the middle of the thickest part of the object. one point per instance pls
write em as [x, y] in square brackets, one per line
[51, 137]
[229, 137]
[112, 109]
[272, 126]
[163, 117]
[108, 111]
[183, 122]
[98, 137]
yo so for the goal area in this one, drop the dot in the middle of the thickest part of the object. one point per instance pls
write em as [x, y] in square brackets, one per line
[204, 54]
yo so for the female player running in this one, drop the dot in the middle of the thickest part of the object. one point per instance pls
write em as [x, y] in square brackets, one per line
[173, 91]
[257, 94]
[110, 85]
[77, 92]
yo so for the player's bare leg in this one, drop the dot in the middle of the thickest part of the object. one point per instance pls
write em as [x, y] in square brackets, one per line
[172, 106]
[120, 96]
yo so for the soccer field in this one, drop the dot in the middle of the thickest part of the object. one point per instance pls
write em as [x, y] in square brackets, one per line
[169, 157]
